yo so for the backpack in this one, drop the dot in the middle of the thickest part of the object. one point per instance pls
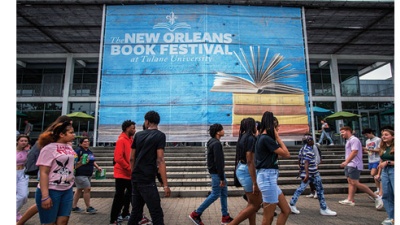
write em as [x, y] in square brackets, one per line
[30, 166]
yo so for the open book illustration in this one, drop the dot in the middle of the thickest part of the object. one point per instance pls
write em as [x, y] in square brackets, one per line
[263, 77]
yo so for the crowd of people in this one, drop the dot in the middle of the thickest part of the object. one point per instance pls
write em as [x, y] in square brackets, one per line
[139, 159]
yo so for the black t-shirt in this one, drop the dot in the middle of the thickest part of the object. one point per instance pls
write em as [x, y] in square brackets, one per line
[85, 169]
[245, 144]
[146, 143]
[265, 156]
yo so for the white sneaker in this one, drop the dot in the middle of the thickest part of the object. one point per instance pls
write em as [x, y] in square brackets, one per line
[294, 209]
[388, 221]
[315, 195]
[331, 144]
[347, 202]
[327, 212]
[378, 203]
[311, 195]
[318, 144]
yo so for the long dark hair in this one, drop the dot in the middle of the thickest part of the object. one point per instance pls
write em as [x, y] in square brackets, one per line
[268, 123]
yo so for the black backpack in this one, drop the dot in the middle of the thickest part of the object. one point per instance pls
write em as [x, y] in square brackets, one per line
[30, 166]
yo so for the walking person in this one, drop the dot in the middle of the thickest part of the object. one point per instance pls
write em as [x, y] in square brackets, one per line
[325, 132]
[22, 179]
[372, 149]
[83, 176]
[147, 157]
[28, 128]
[32, 169]
[246, 172]
[386, 173]
[122, 169]
[353, 166]
[268, 147]
[318, 160]
[56, 165]
[310, 174]
[216, 168]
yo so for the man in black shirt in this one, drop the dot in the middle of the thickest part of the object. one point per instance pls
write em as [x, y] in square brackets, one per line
[219, 185]
[148, 154]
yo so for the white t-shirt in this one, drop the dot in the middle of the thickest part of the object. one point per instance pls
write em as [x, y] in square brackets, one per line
[373, 144]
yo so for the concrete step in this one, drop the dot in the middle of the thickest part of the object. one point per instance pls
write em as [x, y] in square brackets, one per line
[202, 191]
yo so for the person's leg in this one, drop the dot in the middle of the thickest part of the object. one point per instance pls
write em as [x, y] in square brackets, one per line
[224, 199]
[137, 205]
[320, 192]
[64, 210]
[76, 197]
[298, 192]
[268, 213]
[328, 136]
[118, 200]
[152, 199]
[387, 180]
[267, 180]
[321, 138]
[86, 196]
[127, 203]
[352, 189]
[22, 189]
[285, 210]
[29, 213]
[215, 194]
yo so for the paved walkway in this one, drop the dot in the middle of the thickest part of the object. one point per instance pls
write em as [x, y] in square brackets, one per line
[176, 211]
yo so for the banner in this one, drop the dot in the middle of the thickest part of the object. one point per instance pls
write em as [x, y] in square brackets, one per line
[202, 64]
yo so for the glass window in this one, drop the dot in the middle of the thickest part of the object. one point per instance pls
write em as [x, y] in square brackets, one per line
[320, 80]
[80, 125]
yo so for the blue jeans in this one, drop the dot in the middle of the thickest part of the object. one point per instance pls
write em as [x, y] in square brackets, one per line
[387, 179]
[318, 186]
[216, 192]
[146, 193]
[323, 134]
[62, 205]
[243, 175]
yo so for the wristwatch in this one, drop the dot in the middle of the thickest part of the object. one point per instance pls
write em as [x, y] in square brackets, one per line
[388, 162]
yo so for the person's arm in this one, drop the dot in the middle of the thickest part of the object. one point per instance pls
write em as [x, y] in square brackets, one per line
[282, 150]
[44, 187]
[352, 155]
[97, 166]
[133, 158]
[306, 165]
[252, 170]
[162, 169]
[219, 162]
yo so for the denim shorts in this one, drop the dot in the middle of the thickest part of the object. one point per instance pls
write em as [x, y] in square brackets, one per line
[243, 175]
[352, 172]
[62, 205]
[373, 165]
[267, 180]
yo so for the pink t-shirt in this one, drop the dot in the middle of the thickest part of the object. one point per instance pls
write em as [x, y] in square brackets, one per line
[21, 157]
[60, 158]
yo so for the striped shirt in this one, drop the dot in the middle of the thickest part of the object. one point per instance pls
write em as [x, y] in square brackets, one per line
[306, 153]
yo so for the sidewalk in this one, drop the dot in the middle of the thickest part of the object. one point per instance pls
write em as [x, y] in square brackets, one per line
[176, 211]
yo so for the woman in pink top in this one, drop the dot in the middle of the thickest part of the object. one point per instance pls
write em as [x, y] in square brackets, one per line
[56, 165]
[22, 179]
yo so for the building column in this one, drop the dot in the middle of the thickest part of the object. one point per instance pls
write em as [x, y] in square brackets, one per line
[69, 74]
[336, 86]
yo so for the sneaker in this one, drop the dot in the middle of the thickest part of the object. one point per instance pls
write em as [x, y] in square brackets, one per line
[378, 203]
[347, 202]
[388, 221]
[195, 217]
[145, 220]
[294, 209]
[77, 210]
[121, 218]
[226, 219]
[318, 144]
[19, 216]
[331, 144]
[315, 195]
[311, 195]
[91, 210]
[327, 212]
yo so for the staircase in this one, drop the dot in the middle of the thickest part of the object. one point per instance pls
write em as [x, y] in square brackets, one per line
[188, 176]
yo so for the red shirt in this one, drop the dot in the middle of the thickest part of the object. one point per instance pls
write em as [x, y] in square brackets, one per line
[122, 155]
